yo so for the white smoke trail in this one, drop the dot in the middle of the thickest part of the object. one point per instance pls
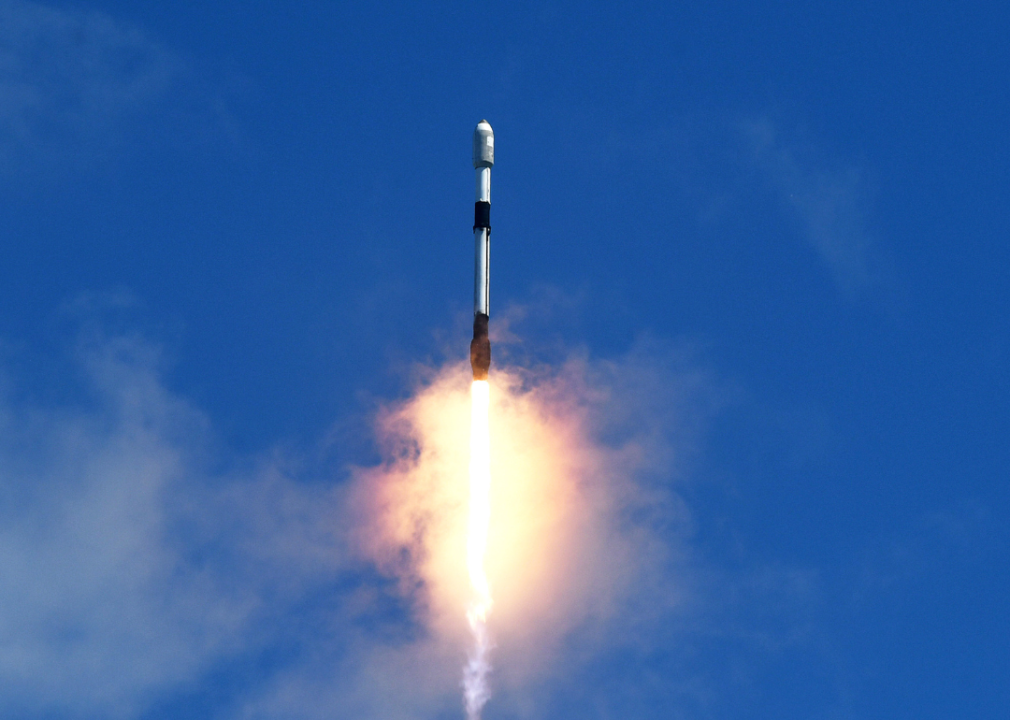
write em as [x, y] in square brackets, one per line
[475, 688]
[475, 672]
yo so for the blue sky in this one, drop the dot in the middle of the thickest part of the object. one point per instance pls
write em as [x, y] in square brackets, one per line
[774, 233]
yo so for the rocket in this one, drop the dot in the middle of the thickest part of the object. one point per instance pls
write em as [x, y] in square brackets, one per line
[483, 159]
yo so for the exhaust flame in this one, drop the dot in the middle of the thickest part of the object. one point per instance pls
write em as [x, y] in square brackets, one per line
[576, 541]
[475, 672]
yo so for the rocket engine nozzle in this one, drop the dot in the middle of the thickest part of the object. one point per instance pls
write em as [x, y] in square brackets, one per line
[480, 348]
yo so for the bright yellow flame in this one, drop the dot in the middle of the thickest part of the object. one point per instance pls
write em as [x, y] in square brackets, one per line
[573, 534]
[480, 497]
[548, 540]
[475, 690]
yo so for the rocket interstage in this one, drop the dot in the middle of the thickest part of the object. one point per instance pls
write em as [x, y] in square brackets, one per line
[483, 159]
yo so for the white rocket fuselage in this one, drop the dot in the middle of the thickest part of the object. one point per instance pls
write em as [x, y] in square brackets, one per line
[482, 249]
[483, 159]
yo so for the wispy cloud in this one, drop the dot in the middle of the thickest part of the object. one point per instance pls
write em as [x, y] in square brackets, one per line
[66, 75]
[99, 607]
[829, 202]
[131, 564]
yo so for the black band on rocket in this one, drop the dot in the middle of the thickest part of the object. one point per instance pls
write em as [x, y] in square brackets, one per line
[481, 215]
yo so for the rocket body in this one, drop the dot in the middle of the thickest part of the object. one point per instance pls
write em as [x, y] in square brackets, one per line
[483, 159]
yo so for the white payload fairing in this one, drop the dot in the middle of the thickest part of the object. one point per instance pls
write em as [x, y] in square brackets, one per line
[483, 159]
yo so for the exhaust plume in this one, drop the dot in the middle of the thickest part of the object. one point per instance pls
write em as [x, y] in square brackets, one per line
[140, 566]
[578, 535]
[475, 690]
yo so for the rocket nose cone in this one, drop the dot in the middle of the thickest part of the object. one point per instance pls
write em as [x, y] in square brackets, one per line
[483, 145]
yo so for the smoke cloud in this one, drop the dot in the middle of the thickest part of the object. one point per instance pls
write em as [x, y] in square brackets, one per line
[587, 546]
[139, 568]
